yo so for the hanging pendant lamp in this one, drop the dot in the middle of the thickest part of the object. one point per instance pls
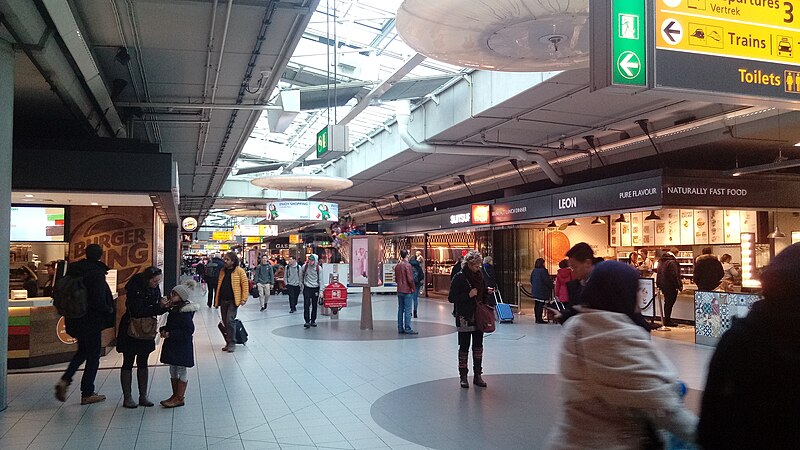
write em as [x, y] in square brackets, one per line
[552, 224]
[777, 233]
[573, 223]
[652, 216]
[621, 219]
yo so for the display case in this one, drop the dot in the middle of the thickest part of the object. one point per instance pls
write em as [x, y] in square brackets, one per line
[686, 262]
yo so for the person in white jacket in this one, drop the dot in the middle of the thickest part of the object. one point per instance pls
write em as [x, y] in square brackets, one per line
[619, 391]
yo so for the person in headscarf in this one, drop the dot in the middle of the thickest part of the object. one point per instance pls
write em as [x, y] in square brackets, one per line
[752, 377]
[619, 390]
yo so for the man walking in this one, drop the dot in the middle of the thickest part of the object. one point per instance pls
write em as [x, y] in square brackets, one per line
[292, 279]
[311, 281]
[264, 278]
[232, 292]
[86, 329]
[404, 276]
[211, 276]
[668, 279]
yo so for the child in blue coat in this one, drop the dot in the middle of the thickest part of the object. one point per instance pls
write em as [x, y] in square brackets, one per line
[178, 350]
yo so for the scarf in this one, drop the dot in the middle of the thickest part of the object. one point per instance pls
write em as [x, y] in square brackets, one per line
[475, 280]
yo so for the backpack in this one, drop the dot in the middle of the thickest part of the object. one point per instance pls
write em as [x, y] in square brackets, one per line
[70, 297]
[419, 275]
[212, 270]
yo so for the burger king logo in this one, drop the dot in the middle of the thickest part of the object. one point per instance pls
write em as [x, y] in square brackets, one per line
[125, 244]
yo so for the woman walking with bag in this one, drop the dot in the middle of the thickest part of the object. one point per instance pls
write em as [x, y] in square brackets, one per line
[541, 288]
[137, 331]
[178, 349]
[467, 290]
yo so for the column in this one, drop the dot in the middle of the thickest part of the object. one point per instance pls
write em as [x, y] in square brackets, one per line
[172, 256]
[6, 128]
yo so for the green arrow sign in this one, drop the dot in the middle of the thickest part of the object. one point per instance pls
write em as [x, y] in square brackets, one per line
[628, 47]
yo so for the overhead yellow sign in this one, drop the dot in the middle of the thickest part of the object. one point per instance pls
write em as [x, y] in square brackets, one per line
[222, 236]
[761, 30]
[295, 239]
[252, 240]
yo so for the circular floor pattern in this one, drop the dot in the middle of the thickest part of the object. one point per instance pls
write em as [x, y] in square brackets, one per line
[515, 411]
[350, 330]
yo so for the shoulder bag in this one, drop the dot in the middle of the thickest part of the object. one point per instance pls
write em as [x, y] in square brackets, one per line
[143, 327]
[485, 315]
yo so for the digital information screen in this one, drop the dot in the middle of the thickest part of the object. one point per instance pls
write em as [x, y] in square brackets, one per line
[37, 224]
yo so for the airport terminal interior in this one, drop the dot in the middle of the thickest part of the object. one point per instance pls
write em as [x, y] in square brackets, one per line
[349, 135]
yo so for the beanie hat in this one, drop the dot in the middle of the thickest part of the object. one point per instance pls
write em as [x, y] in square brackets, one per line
[780, 280]
[182, 291]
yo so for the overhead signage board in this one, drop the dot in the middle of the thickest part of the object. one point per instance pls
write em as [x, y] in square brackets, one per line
[628, 43]
[222, 236]
[752, 48]
[189, 224]
[255, 230]
[481, 215]
[332, 141]
[295, 239]
[302, 210]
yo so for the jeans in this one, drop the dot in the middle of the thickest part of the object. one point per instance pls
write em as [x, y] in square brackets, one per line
[228, 311]
[415, 297]
[211, 288]
[263, 293]
[310, 297]
[294, 294]
[404, 302]
[178, 373]
[89, 351]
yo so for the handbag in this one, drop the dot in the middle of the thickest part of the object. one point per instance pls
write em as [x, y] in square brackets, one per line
[485, 317]
[143, 327]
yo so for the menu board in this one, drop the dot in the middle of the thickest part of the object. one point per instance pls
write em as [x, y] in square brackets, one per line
[637, 219]
[625, 232]
[614, 229]
[647, 232]
[733, 226]
[672, 217]
[700, 227]
[660, 232]
[747, 219]
[37, 224]
[716, 232]
[687, 226]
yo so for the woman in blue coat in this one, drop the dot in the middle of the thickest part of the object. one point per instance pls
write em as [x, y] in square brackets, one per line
[178, 350]
[541, 288]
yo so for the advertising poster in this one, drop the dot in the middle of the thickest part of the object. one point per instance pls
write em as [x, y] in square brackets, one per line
[748, 221]
[716, 232]
[687, 226]
[625, 232]
[323, 211]
[359, 262]
[614, 229]
[647, 232]
[700, 227]
[637, 219]
[660, 231]
[672, 217]
[645, 294]
[732, 226]
[302, 210]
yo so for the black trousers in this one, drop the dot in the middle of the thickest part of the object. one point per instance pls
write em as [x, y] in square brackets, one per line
[670, 297]
[538, 309]
[89, 351]
[128, 359]
[310, 296]
[464, 338]
[211, 288]
[294, 294]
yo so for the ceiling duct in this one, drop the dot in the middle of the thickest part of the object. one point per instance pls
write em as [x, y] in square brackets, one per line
[404, 115]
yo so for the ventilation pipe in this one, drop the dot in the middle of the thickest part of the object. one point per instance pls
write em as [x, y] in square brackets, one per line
[404, 115]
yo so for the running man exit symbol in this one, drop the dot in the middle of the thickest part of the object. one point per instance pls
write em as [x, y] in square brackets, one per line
[628, 26]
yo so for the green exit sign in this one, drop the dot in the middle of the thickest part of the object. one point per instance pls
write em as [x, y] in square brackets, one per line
[629, 43]
[322, 142]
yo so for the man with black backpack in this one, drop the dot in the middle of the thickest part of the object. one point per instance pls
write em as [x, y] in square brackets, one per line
[211, 276]
[419, 280]
[89, 276]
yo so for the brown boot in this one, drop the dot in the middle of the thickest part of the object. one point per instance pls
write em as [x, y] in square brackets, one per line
[477, 366]
[462, 368]
[463, 378]
[171, 398]
[177, 400]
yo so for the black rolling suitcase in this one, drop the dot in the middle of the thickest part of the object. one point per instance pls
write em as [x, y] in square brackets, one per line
[240, 335]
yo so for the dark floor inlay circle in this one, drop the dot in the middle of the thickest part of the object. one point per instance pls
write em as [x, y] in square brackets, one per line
[515, 411]
[350, 330]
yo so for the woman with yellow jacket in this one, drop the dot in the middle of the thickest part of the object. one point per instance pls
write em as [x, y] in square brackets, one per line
[232, 292]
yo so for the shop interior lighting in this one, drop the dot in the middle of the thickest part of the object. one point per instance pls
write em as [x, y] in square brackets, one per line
[573, 223]
[652, 216]
[598, 221]
[777, 233]
[621, 219]
[28, 195]
[552, 224]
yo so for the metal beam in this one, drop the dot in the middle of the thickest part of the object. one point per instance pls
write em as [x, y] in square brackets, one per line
[195, 106]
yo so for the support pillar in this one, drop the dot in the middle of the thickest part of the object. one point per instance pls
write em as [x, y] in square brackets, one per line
[366, 309]
[172, 256]
[6, 149]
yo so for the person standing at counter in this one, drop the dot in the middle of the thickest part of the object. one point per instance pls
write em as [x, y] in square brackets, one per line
[143, 302]
[751, 399]
[707, 271]
[668, 279]
[563, 276]
[29, 281]
[86, 330]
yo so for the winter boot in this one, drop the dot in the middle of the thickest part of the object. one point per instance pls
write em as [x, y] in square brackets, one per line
[180, 391]
[462, 368]
[171, 398]
[125, 377]
[141, 377]
[477, 361]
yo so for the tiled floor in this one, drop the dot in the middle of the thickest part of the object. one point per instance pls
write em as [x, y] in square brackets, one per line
[284, 391]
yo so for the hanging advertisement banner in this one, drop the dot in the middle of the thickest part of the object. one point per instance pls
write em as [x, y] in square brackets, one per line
[302, 210]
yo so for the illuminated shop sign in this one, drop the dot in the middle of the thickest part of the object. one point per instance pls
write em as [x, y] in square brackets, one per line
[481, 215]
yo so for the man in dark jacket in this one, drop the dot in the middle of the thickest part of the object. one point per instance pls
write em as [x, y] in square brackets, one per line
[419, 280]
[751, 399]
[87, 329]
[668, 279]
[707, 271]
[211, 276]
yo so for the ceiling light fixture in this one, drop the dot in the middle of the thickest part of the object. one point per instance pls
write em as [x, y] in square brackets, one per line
[598, 221]
[94, 203]
[621, 219]
[28, 195]
[652, 216]
[573, 223]
[777, 233]
[778, 165]
[552, 224]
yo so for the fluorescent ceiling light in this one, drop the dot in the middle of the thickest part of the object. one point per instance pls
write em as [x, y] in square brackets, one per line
[763, 167]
